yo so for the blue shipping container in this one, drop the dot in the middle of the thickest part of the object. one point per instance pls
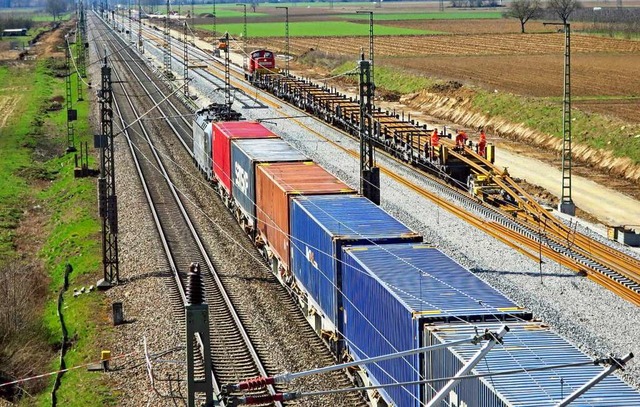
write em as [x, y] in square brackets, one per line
[527, 345]
[390, 292]
[245, 155]
[320, 226]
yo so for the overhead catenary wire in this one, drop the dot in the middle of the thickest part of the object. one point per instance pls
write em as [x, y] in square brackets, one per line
[300, 394]
[289, 377]
[282, 231]
[289, 236]
[169, 181]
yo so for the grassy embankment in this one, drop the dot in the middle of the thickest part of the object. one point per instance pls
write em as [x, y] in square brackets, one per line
[35, 173]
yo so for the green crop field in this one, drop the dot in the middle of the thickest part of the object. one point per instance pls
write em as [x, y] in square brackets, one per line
[450, 15]
[326, 4]
[312, 29]
[222, 11]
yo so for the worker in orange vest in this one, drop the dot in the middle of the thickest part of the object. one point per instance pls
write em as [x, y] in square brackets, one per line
[435, 142]
[435, 139]
[461, 139]
[482, 144]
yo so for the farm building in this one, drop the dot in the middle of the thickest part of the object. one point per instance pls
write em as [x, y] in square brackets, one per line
[14, 32]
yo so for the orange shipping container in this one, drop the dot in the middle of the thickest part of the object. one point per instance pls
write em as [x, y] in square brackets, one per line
[275, 184]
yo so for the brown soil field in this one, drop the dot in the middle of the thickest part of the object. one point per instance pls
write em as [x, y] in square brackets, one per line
[536, 75]
[468, 44]
[626, 109]
[527, 64]
[503, 26]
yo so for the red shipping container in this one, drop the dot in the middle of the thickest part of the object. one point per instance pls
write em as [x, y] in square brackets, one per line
[223, 133]
[275, 184]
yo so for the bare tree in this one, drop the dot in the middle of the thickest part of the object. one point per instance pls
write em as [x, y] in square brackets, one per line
[524, 10]
[564, 8]
[56, 8]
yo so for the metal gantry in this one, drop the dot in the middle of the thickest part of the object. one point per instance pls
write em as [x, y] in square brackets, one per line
[167, 43]
[566, 204]
[227, 72]
[286, 35]
[244, 37]
[373, 77]
[80, 56]
[71, 113]
[140, 27]
[214, 28]
[185, 42]
[197, 325]
[107, 201]
[369, 173]
[129, 14]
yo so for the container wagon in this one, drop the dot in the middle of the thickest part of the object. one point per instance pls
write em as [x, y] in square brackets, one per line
[528, 345]
[392, 293]
[320, 226]
[222, 134]
[276, 184]
[245, 157]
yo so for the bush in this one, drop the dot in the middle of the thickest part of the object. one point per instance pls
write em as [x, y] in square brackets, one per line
[23, 346]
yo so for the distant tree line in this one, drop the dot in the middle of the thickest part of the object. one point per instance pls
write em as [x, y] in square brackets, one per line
[611, 20]
[15, 21]
[474, 3]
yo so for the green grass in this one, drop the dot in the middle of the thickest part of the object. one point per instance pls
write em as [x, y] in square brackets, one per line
[622, 35]
[14, 141]
[36, 14]
[45, 17]
[391, 79]
[71, 233]
[449, 15]
[545, 115]
[312, 29]
[325, 4]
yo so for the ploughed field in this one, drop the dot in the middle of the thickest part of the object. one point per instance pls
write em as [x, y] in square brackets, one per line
[492, 54]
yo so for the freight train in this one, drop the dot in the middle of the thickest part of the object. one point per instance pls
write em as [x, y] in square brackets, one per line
[369, 285]
[469, 167]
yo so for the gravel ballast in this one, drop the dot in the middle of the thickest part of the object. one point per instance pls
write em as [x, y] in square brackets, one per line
[591, 317]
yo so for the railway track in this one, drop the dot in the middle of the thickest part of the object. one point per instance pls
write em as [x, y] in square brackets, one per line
[532, 227]
[268, 300]
[233, 355]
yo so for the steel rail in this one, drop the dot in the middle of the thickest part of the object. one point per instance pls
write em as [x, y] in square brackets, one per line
[259, 369]
[572, 249]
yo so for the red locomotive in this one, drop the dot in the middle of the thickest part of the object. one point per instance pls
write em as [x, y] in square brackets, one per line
[261, 61]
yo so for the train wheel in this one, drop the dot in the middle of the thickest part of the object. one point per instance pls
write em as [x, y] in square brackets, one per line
[357, 380]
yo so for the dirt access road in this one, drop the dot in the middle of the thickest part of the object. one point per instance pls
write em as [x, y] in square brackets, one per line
[609, 205]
